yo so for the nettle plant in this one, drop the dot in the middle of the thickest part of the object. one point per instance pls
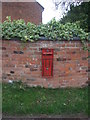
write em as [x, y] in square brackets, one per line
[53, 30]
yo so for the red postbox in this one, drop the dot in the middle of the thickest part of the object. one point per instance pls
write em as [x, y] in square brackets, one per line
[47, 62]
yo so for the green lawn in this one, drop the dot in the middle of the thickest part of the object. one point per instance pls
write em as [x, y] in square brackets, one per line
[19, 99]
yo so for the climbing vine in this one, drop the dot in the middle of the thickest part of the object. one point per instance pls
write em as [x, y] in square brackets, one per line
[53, 30]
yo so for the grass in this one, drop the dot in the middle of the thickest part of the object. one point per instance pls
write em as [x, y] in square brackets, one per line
[19, 99]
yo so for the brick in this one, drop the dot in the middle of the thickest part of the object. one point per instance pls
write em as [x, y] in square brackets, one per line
[29, 11]
[12, 72]
[18, 52]
[61, 59]
[70, 63]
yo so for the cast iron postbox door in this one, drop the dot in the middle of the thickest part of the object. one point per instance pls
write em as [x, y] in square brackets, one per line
[47, 62]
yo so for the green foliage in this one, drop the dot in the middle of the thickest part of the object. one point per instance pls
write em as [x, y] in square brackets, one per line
[19, 29]
[78, 13]
[67, 31]
[53, 30]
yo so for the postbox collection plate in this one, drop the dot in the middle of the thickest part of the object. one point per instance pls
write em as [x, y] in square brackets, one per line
[47, 62]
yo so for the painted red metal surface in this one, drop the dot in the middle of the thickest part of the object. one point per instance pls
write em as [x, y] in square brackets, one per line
[47, 62]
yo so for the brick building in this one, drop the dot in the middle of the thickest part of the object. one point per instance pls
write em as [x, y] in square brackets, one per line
[29, 11]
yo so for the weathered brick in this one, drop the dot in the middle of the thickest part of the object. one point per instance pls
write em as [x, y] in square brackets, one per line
[70, 63]
[29, 11]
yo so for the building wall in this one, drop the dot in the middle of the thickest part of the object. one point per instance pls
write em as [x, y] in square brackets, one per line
[29, 11]
[23, 61]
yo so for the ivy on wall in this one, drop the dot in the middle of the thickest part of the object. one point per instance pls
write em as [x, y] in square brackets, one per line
[53, 30]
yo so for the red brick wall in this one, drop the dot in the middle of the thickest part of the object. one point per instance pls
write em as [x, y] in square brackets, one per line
[29, 11]
[22, 61]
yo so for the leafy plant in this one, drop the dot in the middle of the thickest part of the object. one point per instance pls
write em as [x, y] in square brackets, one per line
[78, 13]
[53, 30]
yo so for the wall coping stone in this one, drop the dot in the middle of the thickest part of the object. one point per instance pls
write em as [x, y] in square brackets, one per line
[43, 39]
